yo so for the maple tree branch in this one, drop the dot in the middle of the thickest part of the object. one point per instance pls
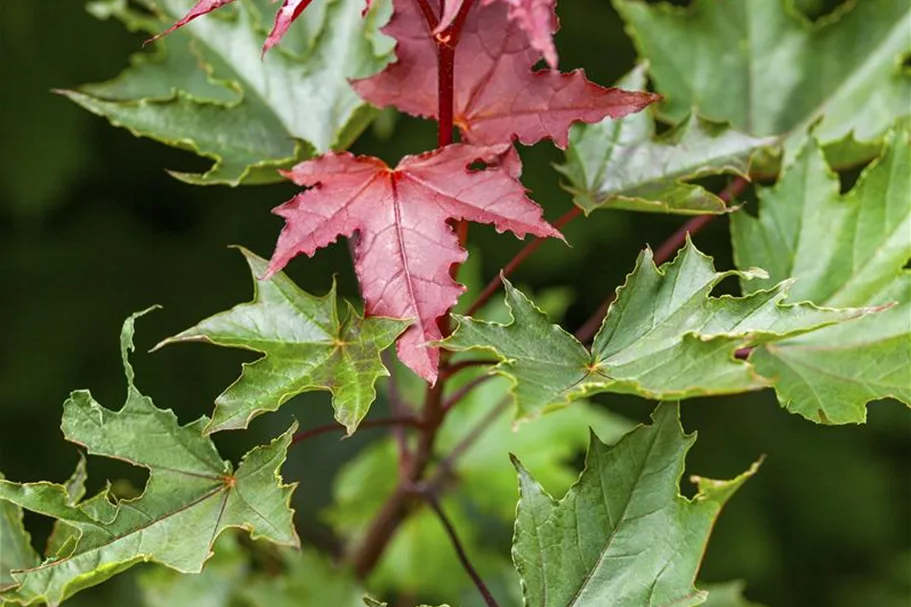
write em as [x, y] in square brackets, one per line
[462, 392]
[516, 261]
[405, 420]
[430, 497]
[402, 501]
[451, 369]
[664, 253]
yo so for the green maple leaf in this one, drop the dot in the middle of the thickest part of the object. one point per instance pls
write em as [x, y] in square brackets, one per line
[192, 495]
[623, 535]
[206, 88]
[664, 337]
[621, 164]
[306, 348]
[369, 602]
[763, 67]
[844, 250]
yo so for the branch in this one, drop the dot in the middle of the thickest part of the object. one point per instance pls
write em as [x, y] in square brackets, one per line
[405, 420]
[664, 253]
[450, 370]
[432, 501]
[516, 261]
[462, 392]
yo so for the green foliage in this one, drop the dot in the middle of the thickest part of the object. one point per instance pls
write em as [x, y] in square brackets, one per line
[206, 89]
[622, 535]
[767, 70]
[621, 164]
[752, 90]
[664, 337]
[844, 250]
[306, 347]
[192, 494]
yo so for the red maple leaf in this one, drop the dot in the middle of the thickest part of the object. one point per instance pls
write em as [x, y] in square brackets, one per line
[287, 13]
[497, 95]
[535, 17]
[405, 245]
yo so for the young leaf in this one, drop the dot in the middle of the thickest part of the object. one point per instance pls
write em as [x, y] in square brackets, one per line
[306, 346]
[623, 535]
[192, 494]
[849, 250]
[497, 95]
[207, 90]
[535, 17]
[621, 164]
[16, 552]
[405, 247]
[287, 13]
[767, 70]
[664, 337]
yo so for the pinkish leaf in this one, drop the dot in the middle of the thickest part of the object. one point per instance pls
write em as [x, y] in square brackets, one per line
[497, 95]
[289, 11]
[199, 9]
[405, 245]
[535, 17]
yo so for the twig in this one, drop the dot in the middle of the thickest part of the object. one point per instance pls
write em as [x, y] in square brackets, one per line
[406, 420]
[447, 464]
[462, 392]
[430, 497]
[451, 369]
[516, 261]
[664, 253]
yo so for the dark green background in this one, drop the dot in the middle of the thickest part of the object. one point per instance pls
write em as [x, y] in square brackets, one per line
[92, 229]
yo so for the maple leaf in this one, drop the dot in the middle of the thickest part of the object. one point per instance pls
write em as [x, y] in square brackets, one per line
[536, 18]
[497, 95]
[287, 13]
[205, 88]
[191, 497]
[405, 247]
[766, 69]
[664, 337]
[622, 164]
[623, 535]
[843, 250]
[306, 346]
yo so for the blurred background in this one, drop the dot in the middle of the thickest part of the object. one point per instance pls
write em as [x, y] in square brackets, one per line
[92, 229]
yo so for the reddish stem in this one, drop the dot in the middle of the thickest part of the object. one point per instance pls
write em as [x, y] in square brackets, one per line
[429, 15]
[516, 261]
[453, 368]
[402, 500]
[405, 420]
[664, 253]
